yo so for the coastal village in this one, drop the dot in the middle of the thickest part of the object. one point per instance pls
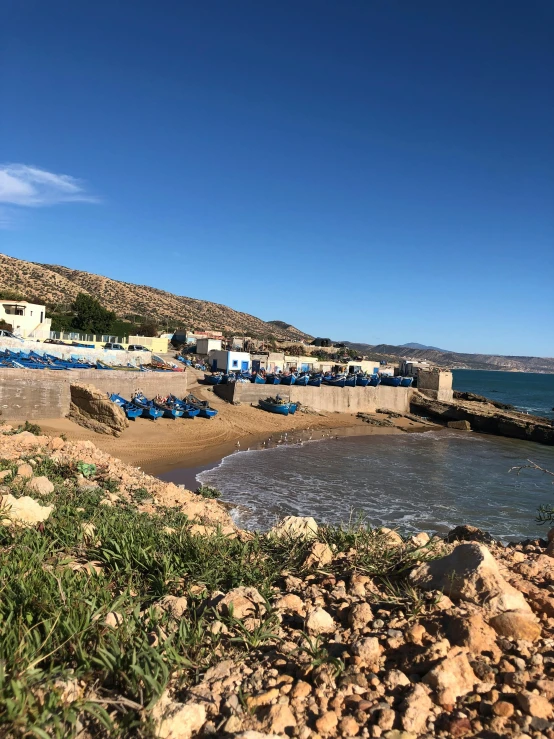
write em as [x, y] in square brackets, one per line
[134, 607]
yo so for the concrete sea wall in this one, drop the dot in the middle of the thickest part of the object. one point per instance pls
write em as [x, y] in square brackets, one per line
[34, 394]
[324, 398]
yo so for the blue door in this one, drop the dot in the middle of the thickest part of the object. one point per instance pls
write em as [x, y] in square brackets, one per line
[214, 365]
[244, 366]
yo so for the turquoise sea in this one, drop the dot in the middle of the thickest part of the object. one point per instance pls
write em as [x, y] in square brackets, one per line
[528, 392]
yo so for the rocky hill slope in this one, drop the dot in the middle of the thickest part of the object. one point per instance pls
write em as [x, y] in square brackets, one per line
[458, 359]
[59, 286]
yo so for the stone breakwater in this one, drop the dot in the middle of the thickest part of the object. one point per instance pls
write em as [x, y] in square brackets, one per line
[487, 417]
[354, 634]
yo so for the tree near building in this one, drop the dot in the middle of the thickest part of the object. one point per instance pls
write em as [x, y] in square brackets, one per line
[148, 328]
[90, 316]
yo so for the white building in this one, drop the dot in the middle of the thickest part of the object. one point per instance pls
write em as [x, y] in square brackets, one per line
[227, 361]
[205, 346]
[28, 320]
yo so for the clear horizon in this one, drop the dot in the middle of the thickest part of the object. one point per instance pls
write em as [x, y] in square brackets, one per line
[363, 171]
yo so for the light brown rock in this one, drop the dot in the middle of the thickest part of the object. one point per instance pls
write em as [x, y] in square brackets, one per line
[242, 602]
[394, 679]
[503, 709]
[113, 619]
[177, 720]
[320, 555]
[291, 603]
[451, 678]
[415, 634]
[368, 649]
[302, 689]
[296, 527]
[472, 632]
[416, 709]
[175, 606]
[470, 573]
[518, 624]
[280, 718]
[23, 511]
[359, 616]
[348, 726]
[40, 485]
[536, 706]
[24, 471]
[319, 621]
[386, 718]
[327, 723]
[393, 538]
[262, 699]
[4, 474]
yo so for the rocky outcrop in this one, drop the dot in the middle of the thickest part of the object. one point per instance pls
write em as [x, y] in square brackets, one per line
[486, 418]
[92, 409]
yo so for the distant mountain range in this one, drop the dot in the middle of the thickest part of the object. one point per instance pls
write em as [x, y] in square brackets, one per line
[415, 345]
[447, 359]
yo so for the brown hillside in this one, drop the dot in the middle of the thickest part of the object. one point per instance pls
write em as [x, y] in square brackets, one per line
[60, 285]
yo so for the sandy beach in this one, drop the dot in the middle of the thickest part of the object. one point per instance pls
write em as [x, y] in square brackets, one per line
[162, 445]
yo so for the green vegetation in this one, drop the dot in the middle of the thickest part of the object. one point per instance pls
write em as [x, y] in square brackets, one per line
[32, 428]
[206, 491]
[90, 316]
[64, 668]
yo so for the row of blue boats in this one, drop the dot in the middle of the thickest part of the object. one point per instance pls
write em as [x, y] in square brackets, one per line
[306, 378]
[168, 407]
[33, 360]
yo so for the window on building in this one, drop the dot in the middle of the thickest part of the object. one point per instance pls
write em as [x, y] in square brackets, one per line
[235, 362]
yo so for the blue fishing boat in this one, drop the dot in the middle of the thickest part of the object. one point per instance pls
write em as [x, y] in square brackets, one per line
[335, 381]
[273, 379]
[258, 379]
[391, 381]
[292, 408]
[314, 381]
[131, 410]
[374, 380]
[302, 380]
[288, 379]
[350, 381]
[362, 381]
[189, 411]
[202, 407]
[213, 379]
[406, 381]
[148, 408]
[276, 405]
[169, 407]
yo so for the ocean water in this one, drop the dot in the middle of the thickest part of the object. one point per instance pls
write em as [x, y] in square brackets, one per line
[429, 481]
[528, 392]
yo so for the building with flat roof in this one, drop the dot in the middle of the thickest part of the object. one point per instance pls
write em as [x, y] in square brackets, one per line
[27, 320]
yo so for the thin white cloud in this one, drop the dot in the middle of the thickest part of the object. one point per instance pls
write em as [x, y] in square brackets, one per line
[31, 187]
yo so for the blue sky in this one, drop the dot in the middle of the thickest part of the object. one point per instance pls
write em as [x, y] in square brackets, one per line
[366, 170]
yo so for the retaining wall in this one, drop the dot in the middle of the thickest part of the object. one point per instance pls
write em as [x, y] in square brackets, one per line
[324, 398]
[35, 394]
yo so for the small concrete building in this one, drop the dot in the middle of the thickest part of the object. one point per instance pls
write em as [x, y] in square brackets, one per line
[411, 367]
[228, 361]
[28, 320]
[436, 383]
[371, 366]
[205, 346]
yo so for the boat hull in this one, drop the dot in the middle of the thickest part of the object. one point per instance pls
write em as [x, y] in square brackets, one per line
[282, 409]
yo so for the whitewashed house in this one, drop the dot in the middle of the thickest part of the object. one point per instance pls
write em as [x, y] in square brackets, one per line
[28, 320]
[228, 361]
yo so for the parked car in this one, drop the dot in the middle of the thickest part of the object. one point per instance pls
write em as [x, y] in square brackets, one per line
[137, 348]
[54, 341]
[118, 347]
[9, 335]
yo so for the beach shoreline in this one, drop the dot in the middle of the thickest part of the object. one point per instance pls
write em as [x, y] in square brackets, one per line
[162, 446]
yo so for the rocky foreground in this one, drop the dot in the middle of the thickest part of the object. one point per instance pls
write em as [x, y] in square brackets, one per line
[134, 608]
